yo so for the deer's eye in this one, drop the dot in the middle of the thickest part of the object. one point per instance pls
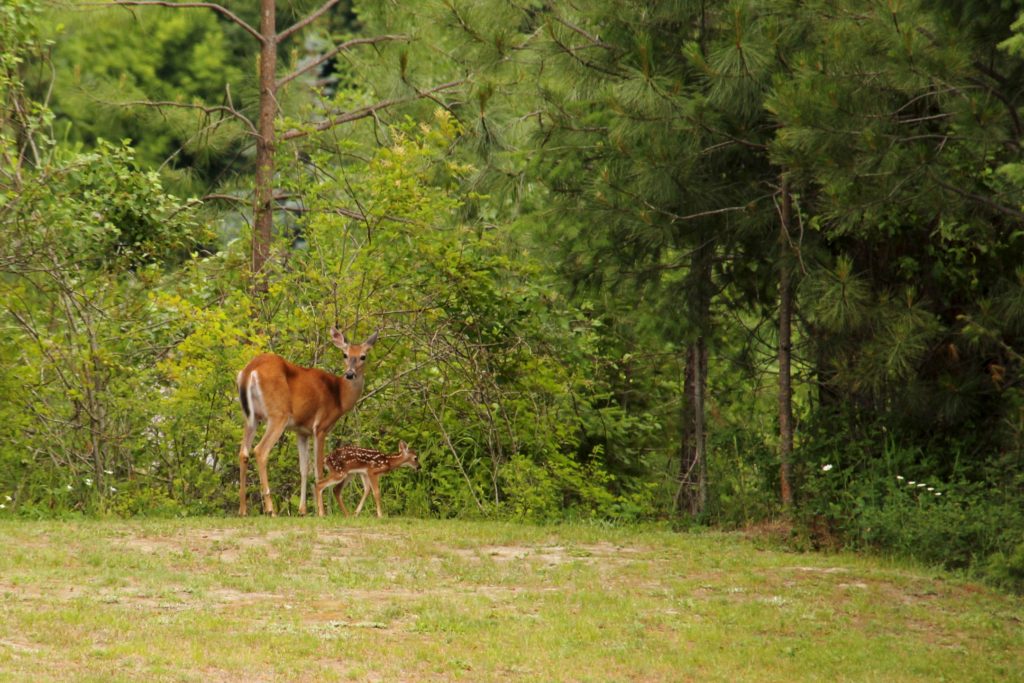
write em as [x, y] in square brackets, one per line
[345, 356]
[362, 357]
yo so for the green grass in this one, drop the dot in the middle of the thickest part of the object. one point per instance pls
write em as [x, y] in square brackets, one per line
[262, 599]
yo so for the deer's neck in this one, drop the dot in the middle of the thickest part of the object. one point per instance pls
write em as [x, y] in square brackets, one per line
[349, 392]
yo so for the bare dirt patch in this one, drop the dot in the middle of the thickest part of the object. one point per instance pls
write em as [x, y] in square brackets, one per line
[17, 646]
[229, 545]
[205, 542]
[550, 555]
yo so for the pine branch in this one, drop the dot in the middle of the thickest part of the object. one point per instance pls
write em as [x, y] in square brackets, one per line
[334, 51]
[1011, 109]
[592, 38]
[984, 201]
[571, 51]
[224, 11]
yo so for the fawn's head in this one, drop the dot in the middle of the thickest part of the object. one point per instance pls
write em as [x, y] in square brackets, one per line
[410, 459]
[354, 354]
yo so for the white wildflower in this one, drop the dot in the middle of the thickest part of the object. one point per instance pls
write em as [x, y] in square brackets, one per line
[108, 471]
[69, 487]
[113, 490]
[938, 493]
[88, 481]
[911, 483]
[930, 488]
[921, 485]
[899, 478]
[826, 468]
[7, 498]
[3, 506]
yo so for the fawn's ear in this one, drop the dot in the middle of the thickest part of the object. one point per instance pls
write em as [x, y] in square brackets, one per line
[338, 338]
[372, 339]
[403, 446]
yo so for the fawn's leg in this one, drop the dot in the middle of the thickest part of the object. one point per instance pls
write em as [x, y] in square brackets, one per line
[338, 490]
[331, 479]
[366, 491]
[375, 483]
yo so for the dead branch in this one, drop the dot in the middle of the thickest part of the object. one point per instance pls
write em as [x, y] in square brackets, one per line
[365, 112]
[306, 21]
[230, 111]
[224, 11]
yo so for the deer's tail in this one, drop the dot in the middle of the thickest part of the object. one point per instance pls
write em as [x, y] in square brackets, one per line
[243, 396]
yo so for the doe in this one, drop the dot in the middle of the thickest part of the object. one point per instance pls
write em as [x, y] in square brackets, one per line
[307, 401]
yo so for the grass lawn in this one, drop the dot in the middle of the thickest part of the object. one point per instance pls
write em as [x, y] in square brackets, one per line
[262, 599]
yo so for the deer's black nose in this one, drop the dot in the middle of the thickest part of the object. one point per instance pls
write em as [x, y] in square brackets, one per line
[350, 375]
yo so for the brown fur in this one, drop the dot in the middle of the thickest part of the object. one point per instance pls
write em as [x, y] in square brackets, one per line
[306, 400]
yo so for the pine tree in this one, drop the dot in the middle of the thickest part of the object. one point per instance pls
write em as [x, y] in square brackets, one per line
[897, 148]
[651, 142]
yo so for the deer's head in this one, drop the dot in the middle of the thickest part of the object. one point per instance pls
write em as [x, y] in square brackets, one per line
[354, 354]
[409, 457]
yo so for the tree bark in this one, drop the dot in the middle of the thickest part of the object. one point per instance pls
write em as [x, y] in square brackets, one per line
[785, 352]
[263, 209]
[692, 491]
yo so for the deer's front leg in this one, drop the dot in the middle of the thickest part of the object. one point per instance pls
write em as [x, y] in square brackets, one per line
[321, 439]
[366, 491]
[303, 442]
[375, 483]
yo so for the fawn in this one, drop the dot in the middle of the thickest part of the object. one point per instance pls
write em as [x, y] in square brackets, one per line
[348, 460]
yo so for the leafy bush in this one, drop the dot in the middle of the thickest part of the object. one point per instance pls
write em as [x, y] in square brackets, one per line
[483, 369]
[974, 527]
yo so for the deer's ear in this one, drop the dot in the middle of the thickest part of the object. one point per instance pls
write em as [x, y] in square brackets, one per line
[403, 446]
[338, 338]
[372, 340]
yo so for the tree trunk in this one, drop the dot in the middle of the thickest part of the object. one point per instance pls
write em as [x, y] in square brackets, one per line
[700, 384]
[263, 209]
[687, 450]
[692, 494]
[785, 352]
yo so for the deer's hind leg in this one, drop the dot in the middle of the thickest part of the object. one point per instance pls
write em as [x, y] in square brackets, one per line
[243, 464]
[275, 428]
[338, 490]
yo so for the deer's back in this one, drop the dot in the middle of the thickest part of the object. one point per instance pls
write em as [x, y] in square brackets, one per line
[304, 395]
[347, 457]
